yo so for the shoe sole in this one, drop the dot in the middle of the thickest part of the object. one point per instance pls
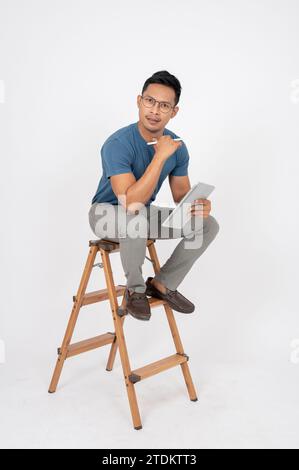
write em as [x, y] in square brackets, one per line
[137, 316]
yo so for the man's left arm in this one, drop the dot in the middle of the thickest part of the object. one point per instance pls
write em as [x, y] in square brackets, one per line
[180, 184]
[178, 178]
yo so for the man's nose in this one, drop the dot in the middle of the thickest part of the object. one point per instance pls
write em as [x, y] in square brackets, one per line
[156, 107]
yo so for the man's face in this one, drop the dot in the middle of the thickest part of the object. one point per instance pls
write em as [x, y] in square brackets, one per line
[159, 118]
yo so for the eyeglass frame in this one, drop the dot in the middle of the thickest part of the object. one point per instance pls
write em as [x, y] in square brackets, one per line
[156, 101]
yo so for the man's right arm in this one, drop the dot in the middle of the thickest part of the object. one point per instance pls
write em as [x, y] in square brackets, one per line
[134, 194]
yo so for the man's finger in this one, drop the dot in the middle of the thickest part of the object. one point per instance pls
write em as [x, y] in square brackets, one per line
[197, 207]
[197, 211]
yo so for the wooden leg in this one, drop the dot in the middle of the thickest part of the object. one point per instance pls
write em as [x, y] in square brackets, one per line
[113, 351]
[73, 318]
[174, 330]
[180, 349]
[118, 324]
[114, 345]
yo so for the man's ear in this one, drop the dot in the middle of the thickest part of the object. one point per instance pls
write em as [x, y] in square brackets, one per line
[175, 111]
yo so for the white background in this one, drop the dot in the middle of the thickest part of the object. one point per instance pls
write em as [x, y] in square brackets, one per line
[71, 72]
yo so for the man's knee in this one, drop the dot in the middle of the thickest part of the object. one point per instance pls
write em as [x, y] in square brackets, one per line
[198, 227]
[212, 225]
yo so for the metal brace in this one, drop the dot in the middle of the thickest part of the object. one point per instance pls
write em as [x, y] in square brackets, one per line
[100, 265]
[150, 259]
[184, 354]
[134, 378]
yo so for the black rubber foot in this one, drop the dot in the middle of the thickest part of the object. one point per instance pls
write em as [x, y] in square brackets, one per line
[49, 391]
[109, 370]
[121, 312]
[194, 399]
[138, 427]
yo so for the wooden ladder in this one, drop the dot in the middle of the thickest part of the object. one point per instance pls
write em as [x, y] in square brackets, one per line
[117, 338]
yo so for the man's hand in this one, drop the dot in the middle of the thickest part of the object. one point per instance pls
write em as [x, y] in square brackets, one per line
[166, 146]
[201, 207]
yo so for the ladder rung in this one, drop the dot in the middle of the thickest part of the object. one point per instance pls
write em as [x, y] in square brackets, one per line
[155, 302]
[88, 344]
[158, 366]
[99, 295]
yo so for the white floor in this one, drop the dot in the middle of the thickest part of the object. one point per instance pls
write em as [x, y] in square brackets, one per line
[240, 347]
[241, 405]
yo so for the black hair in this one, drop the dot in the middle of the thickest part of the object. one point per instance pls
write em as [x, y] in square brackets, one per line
[165, 78]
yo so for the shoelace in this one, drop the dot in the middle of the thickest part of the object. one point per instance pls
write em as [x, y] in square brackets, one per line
[171, 292]
[139, 295]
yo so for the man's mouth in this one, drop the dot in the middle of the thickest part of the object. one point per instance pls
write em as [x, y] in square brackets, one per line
[153, 121]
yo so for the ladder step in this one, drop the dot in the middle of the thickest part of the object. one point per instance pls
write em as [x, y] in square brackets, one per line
[88, 344]
[155, 302]
[99, 295]
[158, 366]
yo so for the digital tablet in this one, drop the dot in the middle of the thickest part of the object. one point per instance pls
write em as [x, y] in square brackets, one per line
[181, 215]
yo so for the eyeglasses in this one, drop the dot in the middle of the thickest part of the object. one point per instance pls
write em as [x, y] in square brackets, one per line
[149, 102]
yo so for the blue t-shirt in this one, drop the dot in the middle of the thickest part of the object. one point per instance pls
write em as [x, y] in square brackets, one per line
[126, 151]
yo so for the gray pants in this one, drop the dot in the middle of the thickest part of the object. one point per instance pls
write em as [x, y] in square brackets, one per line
[113, 223]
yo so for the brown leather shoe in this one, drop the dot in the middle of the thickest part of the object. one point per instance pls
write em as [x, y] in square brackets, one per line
[137, 304]
[175, 300]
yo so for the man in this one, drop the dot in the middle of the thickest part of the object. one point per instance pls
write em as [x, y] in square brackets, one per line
[133, 173]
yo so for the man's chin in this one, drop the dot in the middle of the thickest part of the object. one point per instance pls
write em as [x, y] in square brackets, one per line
[152, 127]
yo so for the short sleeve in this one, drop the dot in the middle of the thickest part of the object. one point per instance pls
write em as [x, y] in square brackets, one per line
[116, 158]
[181, 168]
